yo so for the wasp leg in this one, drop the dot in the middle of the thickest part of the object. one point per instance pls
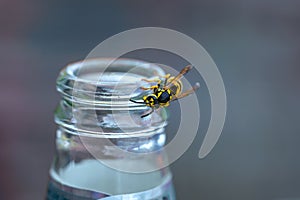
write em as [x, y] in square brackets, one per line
[166, 77]
[179, 76]
[149, 113]
[150, 88]
[157, 80]
[186, 93]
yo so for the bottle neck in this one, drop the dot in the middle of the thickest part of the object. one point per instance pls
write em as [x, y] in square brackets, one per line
[95, 99]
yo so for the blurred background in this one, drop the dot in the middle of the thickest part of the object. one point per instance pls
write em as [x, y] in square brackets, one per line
[255, 44]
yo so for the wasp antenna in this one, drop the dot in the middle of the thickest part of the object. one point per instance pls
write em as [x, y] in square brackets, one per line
[149, 113]
[136, 101]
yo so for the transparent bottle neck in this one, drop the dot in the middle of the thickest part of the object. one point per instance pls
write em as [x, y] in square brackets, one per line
[95, 114]
[95, 99]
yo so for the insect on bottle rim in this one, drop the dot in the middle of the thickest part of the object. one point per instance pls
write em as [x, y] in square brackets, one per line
[96, 95]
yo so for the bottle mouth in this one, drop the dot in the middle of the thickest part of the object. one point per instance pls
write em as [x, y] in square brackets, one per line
[96, 93]
[102, 79]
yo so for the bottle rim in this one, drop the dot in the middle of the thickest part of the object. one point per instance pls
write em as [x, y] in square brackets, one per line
[98, 105]
[75, 74]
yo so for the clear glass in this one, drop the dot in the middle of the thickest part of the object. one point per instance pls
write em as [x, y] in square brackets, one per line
[102, 141]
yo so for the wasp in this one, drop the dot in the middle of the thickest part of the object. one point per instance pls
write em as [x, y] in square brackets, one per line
[167, 89]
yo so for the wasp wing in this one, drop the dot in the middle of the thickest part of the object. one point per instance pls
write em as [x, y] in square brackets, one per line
[178, 77]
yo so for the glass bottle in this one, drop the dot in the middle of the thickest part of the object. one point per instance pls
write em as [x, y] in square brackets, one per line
[104, 148]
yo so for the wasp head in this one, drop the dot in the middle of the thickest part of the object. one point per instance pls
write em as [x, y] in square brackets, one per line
[151, 100]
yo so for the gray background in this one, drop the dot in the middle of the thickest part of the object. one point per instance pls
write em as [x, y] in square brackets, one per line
[255, 44]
